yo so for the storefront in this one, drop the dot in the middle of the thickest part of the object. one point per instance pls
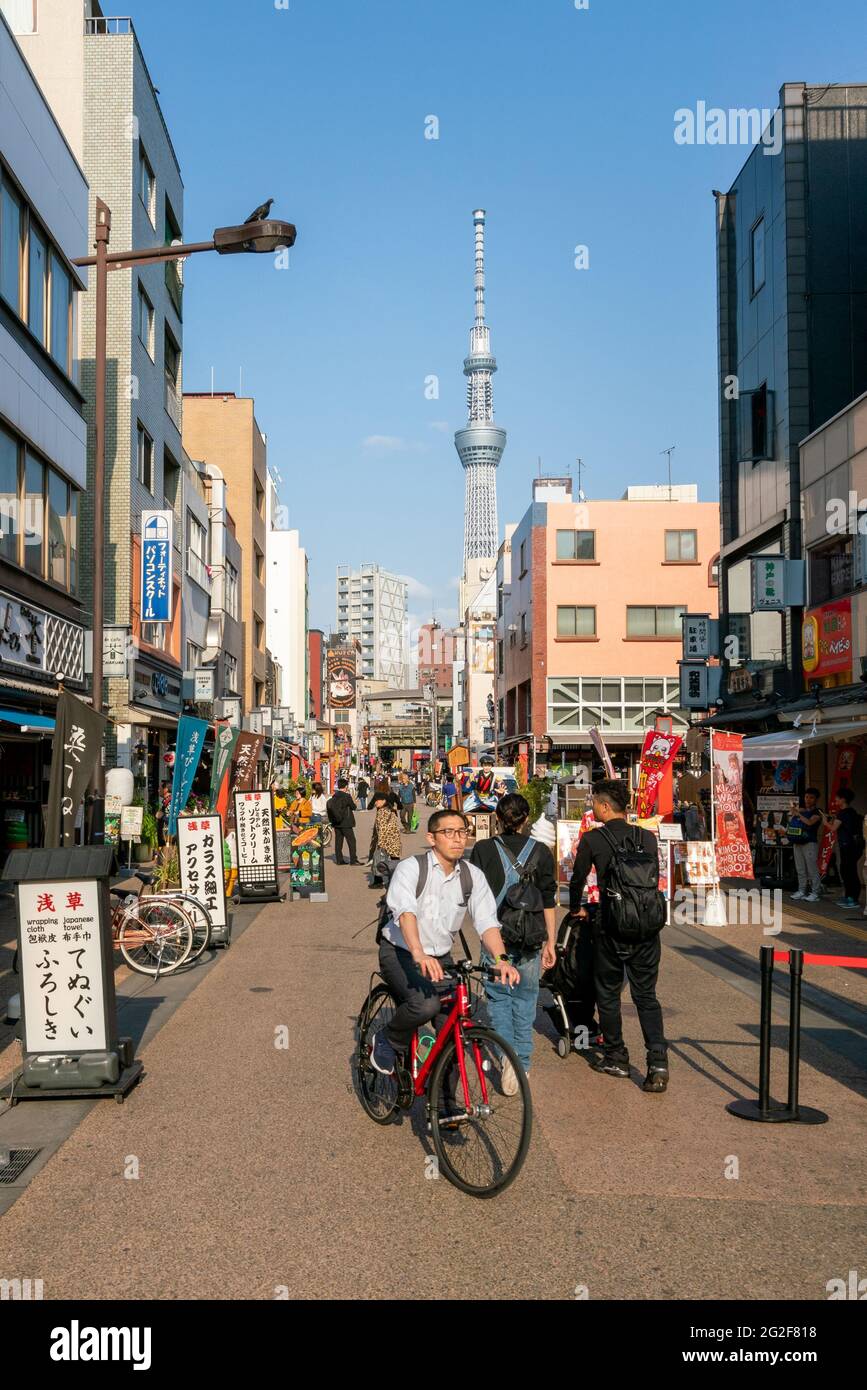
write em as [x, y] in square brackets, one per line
[155, 707]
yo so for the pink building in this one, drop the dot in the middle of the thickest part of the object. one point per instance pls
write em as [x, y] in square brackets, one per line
[590, 597]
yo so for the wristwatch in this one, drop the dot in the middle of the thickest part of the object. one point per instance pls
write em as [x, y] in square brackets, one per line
[505, 959]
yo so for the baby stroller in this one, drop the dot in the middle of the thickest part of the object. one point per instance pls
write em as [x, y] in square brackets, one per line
[570, 981]
[381, 870]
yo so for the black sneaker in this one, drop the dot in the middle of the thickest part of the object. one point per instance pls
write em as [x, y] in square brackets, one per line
[609, 1066]
[656, 1080]
[383, 1055]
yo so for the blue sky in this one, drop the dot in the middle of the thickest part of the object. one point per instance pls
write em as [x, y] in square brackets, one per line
[559, 122]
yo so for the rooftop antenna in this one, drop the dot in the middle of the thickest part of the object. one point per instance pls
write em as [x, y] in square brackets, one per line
[669, 451]
[539, 462]
[582, 467]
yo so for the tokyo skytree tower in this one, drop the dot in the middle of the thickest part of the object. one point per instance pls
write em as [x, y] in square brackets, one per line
[481, 443]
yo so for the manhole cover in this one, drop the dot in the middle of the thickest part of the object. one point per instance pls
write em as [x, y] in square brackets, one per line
[18, 1161]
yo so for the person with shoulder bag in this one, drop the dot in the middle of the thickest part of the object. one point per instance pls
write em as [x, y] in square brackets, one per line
[626, 938]
[521, 876]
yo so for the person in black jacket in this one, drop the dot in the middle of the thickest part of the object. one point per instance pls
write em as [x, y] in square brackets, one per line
[613, 959]
[341, 814]
[848, 825]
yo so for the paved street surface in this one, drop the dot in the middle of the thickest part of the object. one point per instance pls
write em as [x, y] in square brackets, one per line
[260, 1174]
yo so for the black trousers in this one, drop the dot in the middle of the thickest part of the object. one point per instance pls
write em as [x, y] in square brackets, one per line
[612, 965]
[418, 1000]
[849, 856]
[349, 837]
[406, 814]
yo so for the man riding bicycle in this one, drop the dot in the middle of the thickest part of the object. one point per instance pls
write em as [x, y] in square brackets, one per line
[416, 942]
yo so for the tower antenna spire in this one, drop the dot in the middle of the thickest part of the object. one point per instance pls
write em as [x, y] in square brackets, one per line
[480, 443]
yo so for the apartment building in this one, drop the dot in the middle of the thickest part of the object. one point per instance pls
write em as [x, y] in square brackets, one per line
[43, 436]
[287, 619]
[95, 77]
[372, 609]
[588, 631]
[222, 430]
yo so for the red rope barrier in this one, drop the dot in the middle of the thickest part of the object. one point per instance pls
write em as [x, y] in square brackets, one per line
[851, 962]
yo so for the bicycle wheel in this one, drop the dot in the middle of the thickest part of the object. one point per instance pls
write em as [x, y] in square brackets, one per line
[327, 835]
[200, 919]
[155, 937]
[480, 1150]
[378, 1093]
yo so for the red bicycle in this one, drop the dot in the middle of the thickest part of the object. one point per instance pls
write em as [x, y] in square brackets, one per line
[480, 1135]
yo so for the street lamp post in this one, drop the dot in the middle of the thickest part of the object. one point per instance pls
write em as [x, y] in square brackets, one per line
[256, 237]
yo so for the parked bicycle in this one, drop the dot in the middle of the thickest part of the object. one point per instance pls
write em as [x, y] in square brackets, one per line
[480, 1135]
[155, 934]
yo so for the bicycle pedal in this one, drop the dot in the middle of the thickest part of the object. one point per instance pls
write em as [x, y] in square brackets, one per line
[405, 1092]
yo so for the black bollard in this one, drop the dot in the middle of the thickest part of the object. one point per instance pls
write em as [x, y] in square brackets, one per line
[762, 1108]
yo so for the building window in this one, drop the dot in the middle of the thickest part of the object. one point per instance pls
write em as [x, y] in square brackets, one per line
[576, 545]
[10, 489]
[681, 547]
[34, 514]
[146, 183]
[37, 274]
[145, 454]
[713, 573]
[523, 629]
[831, 570]
[61, 314]
[654, 622]
[194, 656]
[174, 269]
[576, 622]
[260, 563]
[756, 424]
[522, 566]
[625, 704]
[11, 243]
[56, 530]
[259, 629]
[757, 242]
[21, 15]
[146, 322]
[231, 590]
[197, 551]
[230, 673]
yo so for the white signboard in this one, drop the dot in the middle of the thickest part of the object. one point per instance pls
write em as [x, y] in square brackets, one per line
[768, 583]
[204, 689]
[200, 851]
[115, 645]
[61, 967]
[254, 823]
[131, 818]
[670, 830]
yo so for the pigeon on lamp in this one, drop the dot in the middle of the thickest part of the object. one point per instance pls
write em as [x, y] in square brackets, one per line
[260, 213]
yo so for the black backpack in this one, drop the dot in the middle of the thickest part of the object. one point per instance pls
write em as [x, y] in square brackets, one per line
[520, 908]
[633, 908]
[423, 866]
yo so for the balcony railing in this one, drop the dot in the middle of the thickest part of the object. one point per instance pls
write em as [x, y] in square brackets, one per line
[174, 405]
[102, 24]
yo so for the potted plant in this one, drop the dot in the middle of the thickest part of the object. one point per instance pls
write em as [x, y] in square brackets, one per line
[144, 850]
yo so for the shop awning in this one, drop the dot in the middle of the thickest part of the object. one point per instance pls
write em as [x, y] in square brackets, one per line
[787, 744]
[25, 720]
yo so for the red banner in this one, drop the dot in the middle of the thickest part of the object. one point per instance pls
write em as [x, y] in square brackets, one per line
[844, 767]
[733, 858]
[658, 752]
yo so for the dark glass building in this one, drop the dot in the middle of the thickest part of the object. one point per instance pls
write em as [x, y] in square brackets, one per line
[792, 329]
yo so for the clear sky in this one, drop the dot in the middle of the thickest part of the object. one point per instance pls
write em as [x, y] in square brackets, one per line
[560, 123]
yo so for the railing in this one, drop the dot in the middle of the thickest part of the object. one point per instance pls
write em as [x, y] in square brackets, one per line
[174, 405]
[104, 25]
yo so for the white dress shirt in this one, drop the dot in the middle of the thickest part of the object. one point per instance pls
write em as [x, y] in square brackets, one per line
[439, 910]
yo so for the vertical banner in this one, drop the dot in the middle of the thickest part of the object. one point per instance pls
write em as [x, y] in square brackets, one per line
[78, 739]
[341, 677]
[733, 858]
[191, 740]
[225, 738]
[843, 770]
[156, 567]
[660, 749]
[200, 855]
[604, 757]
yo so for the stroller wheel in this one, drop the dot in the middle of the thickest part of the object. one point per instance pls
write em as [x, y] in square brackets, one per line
[563, 1048]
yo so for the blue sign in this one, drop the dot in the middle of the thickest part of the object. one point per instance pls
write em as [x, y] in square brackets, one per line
[191, 739]
[156, 567]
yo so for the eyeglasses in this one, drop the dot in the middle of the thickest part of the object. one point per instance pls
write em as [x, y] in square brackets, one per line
[452, 834]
